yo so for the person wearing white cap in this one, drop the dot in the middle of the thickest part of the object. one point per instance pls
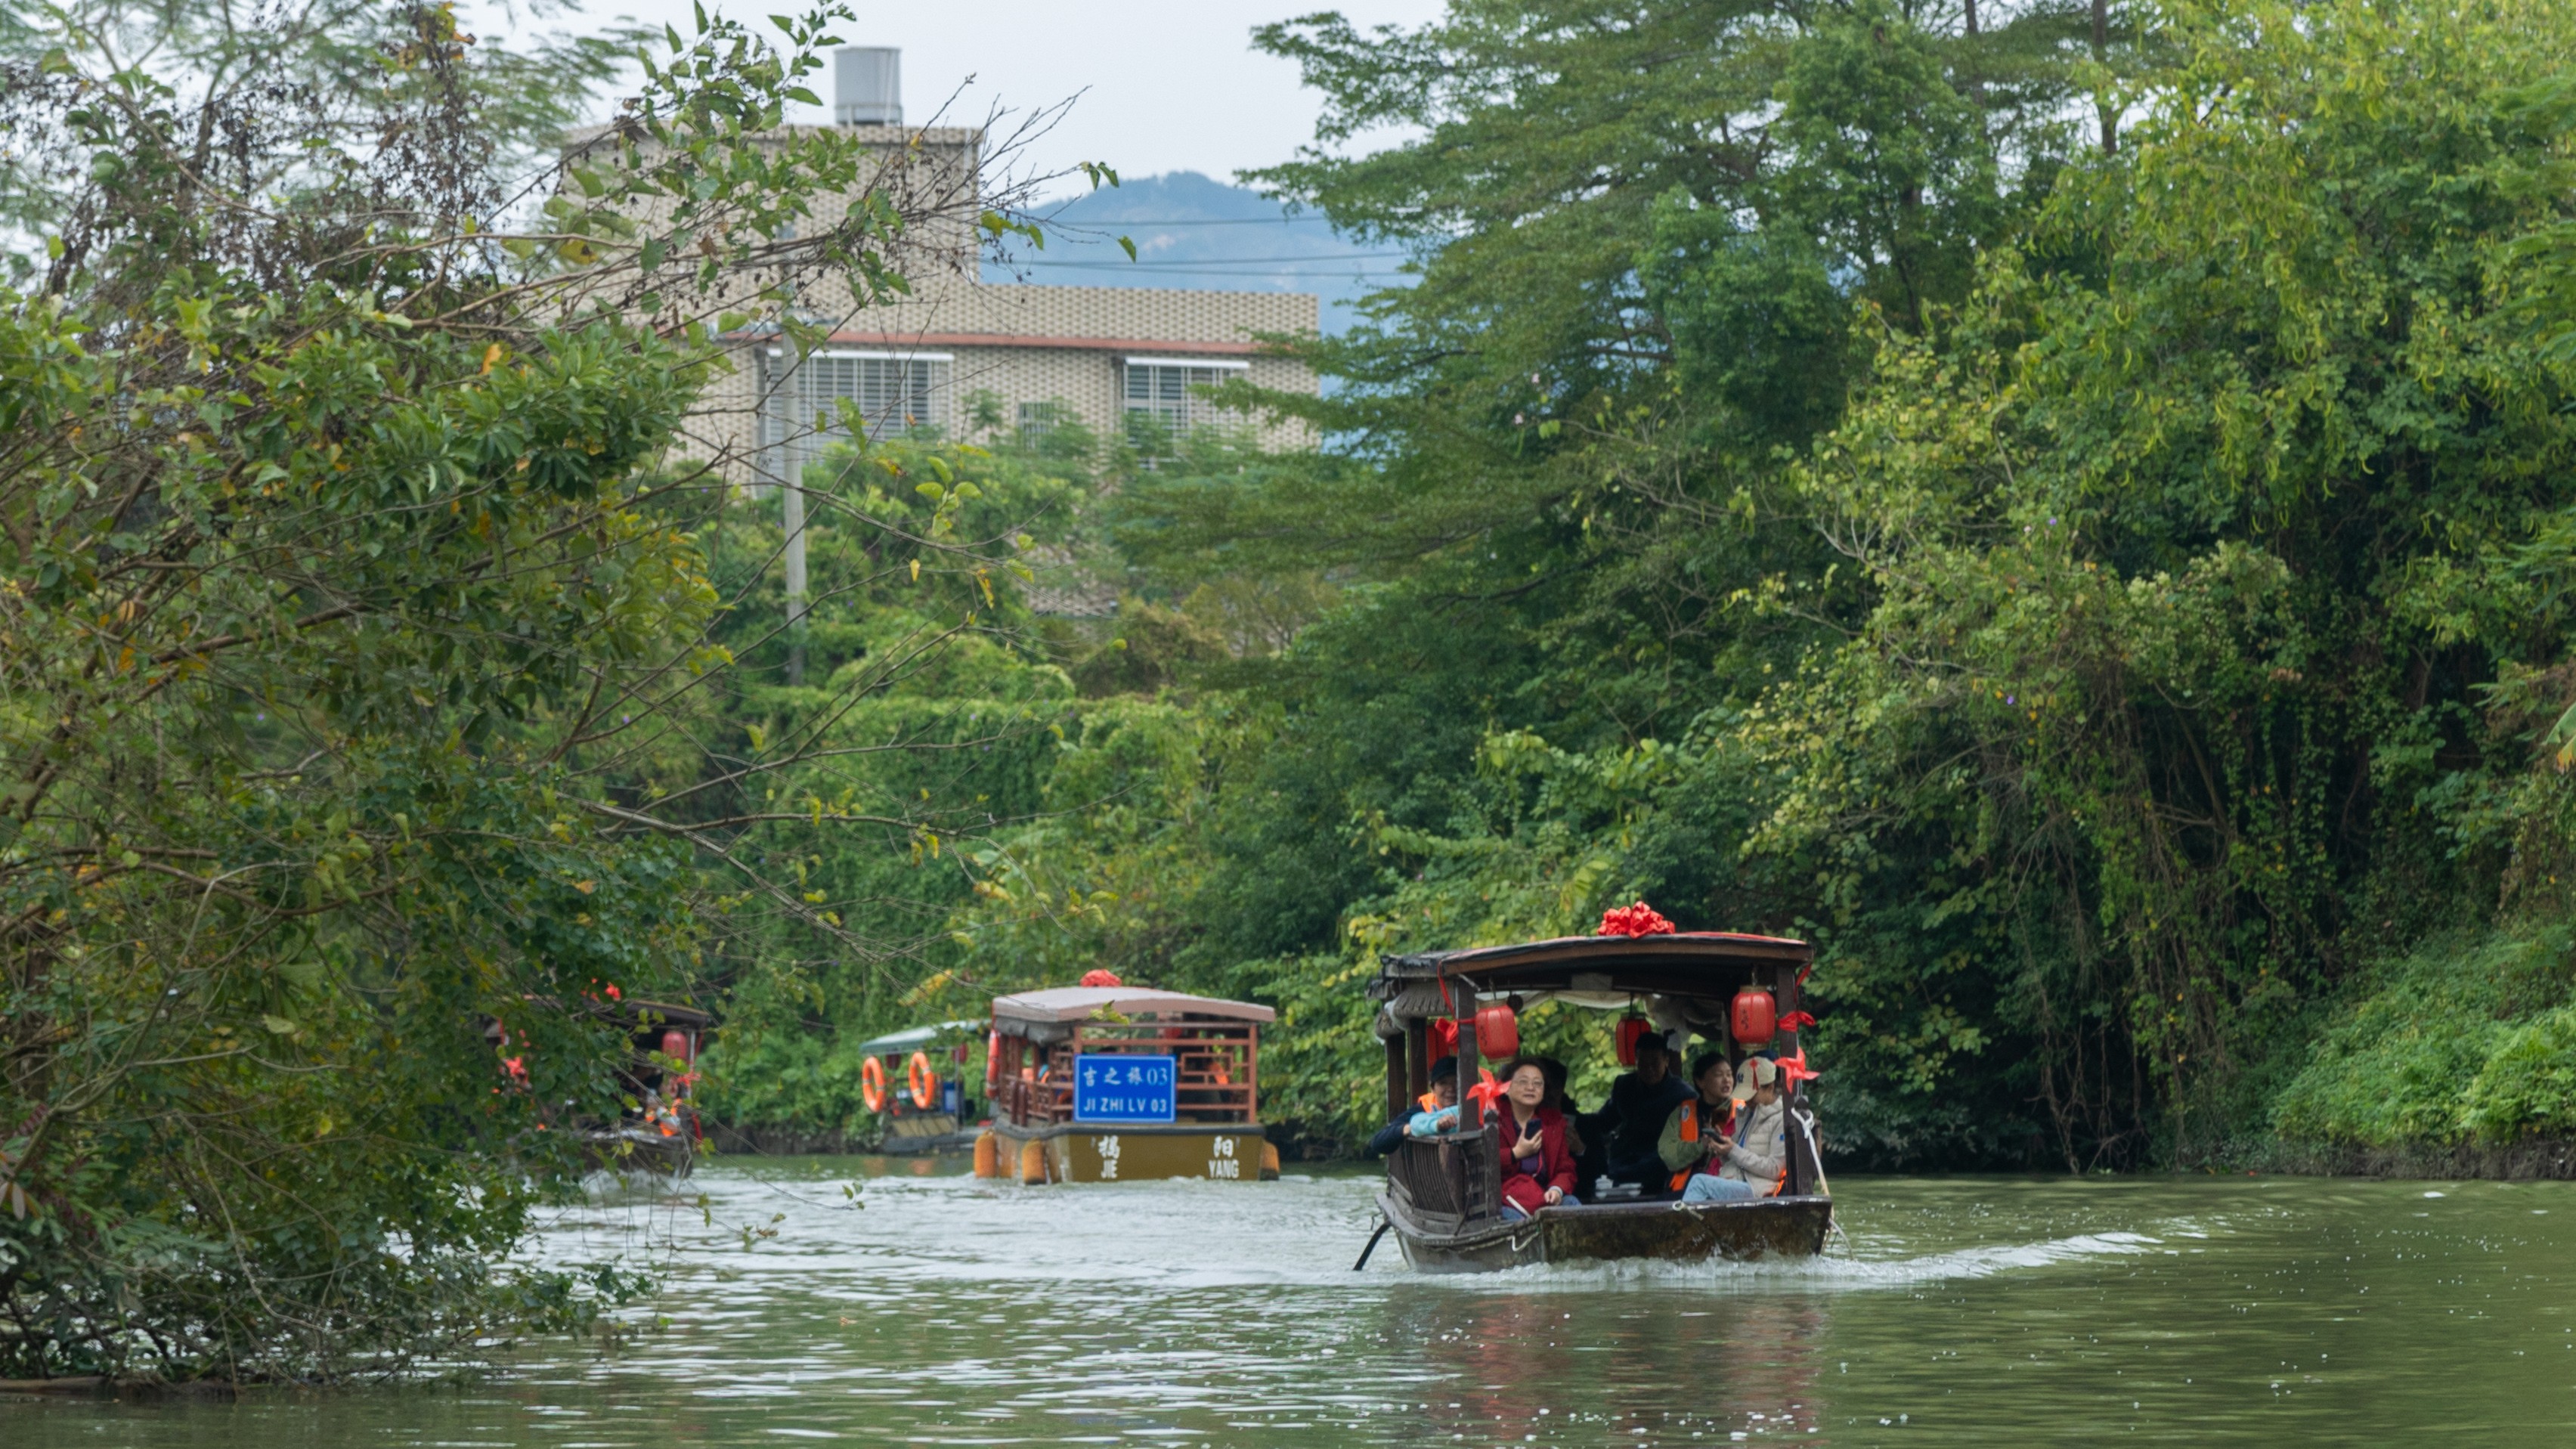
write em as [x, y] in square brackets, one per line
[1757, 1152]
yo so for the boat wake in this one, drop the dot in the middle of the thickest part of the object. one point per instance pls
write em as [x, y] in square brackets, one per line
[1834, 1271]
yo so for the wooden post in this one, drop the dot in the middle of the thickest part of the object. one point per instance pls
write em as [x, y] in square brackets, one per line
[1395, 1098]
[1784, 993]
[1465, 996]
[1417, 1058]
[1251, 1074]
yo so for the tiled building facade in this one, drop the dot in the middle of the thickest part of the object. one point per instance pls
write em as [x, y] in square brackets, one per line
[1102, 356]
[1099, 355]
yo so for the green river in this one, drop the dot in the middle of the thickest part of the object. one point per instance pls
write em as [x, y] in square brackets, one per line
[1987, 1311]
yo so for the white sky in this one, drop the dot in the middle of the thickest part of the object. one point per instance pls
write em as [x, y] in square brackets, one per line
[1168, 85]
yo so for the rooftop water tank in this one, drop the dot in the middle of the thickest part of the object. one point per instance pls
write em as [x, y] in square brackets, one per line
[867, 85]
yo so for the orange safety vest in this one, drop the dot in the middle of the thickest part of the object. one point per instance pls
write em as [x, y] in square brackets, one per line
[1690, 1133]
[1429, 1101]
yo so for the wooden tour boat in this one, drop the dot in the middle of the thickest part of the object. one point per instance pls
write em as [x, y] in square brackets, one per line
[660, 1132]
[918, 1089]
[1120, 1083]
[1443, 1196]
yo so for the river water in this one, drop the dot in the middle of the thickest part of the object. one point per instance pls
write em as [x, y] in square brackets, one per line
[929, 1308]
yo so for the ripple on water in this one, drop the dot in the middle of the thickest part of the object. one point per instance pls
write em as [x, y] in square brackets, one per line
[948, 1311]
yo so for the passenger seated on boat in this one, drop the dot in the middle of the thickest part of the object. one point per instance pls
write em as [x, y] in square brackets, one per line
[1698, 1134]
[1634, 1116]
[1563, 1107]
[1439, 1110]
[1756, 1161]
[1537, 1170]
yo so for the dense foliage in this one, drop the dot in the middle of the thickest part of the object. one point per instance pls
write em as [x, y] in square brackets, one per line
[369, 651]
[2064, 506]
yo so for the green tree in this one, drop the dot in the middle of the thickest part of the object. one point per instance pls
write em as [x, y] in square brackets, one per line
[356, 607]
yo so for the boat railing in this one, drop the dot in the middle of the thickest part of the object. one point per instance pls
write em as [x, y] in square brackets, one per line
[1216, 1073]
[1448, 1183]
[1216, 1066]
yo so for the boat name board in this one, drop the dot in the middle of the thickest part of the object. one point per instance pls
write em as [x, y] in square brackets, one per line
[1124, 1089]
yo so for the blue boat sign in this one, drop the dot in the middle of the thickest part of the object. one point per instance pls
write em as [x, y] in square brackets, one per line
[1123, 1089]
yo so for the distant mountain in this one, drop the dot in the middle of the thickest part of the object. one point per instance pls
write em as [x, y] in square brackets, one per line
[1198, 234]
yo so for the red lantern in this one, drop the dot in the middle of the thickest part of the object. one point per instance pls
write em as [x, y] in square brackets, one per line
[992, 1060]
[1632, 1030]
[675, 1045]
[1752, 1019]
[1498, 1031]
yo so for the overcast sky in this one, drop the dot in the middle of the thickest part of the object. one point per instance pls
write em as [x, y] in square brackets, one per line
[1166, 85]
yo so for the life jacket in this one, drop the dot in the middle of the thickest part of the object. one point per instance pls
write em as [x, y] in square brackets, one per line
[1690, 1133]
[1428, 1101]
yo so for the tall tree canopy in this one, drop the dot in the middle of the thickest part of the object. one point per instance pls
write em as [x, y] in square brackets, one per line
[370, 654]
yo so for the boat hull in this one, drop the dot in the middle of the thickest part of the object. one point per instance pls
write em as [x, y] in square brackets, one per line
[1136, 1154]
[1780, 1227]
[635, 1150]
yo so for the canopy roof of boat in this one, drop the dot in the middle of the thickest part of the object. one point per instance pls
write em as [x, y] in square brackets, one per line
[914, 1039]
[1075, 1003]
[1687, 963]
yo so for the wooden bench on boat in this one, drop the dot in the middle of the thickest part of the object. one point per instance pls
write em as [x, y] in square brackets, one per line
[1443, 1197]
[1205, 1052]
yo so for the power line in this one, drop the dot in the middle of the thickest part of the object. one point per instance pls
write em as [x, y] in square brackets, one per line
[1039, 261]
[1106, 221]
[1170, 269]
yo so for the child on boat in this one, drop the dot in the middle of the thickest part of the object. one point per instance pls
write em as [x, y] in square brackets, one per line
[1695, 1136]
[1750, 1158]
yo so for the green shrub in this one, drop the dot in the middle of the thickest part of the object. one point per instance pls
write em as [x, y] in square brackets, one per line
[2451, 1040]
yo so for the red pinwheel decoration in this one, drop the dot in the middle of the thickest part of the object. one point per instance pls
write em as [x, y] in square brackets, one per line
[1795, 1068]
[1485, 1093]
[1637, 920]
[1796, 1021]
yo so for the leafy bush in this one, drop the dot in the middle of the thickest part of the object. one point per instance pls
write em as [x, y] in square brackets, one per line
[2454, 1040]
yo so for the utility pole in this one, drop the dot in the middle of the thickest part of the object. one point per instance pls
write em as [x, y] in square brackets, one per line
[2101, 54]
[791, 498]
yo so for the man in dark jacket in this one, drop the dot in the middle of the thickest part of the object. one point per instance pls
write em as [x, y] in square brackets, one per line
[1443, 1094]
[1635, 1114]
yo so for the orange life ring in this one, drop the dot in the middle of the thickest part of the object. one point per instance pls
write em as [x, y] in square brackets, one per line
[923, 1081]
[872, 1084]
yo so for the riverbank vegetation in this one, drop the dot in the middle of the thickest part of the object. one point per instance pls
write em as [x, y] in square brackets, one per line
[2066, 506]
[372, 655]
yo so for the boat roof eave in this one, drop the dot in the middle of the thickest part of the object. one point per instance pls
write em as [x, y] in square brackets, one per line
[1080, 1003]
[1688, 963]
[912, 1038]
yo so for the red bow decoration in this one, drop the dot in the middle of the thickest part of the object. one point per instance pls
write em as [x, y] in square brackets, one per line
[1485, 1093]
[1795, 1068]
[1637, 920]
[1796, 1021]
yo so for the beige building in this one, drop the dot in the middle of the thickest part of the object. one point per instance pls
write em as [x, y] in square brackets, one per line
[1108, 357]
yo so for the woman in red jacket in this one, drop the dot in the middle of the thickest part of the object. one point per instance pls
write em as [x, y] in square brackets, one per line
[1538, 1168]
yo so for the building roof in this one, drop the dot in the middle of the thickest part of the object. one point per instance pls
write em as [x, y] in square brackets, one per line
[1688, 963]
[1075, 1003]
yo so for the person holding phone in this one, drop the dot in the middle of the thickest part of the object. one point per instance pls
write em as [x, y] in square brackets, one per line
[1538, 1169]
